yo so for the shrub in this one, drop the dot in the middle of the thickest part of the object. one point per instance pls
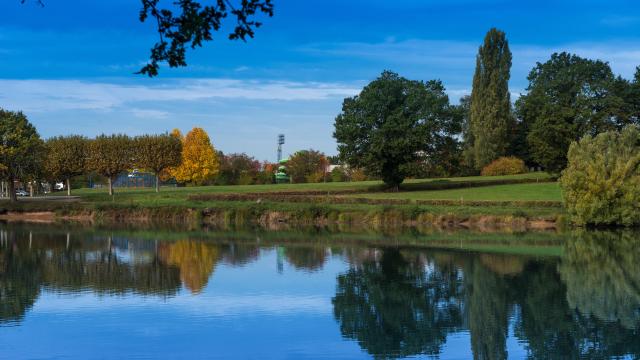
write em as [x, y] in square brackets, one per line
[338, 174]
[504, 166]
[357, 175]
[315, 177]
[601, 184]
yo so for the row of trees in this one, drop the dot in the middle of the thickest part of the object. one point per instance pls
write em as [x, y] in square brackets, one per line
[396, 128]
[26, 157]
[109, 156]
[304, 166]
[189, 159]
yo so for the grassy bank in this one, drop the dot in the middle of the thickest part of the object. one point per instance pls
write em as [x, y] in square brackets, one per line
[470, 201]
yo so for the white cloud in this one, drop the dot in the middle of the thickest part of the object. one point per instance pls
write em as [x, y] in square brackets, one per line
[149, 113]
[35, 95]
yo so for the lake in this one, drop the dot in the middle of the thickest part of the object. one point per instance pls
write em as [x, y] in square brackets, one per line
[89, 293]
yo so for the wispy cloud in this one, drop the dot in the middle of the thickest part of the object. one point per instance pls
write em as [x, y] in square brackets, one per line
[52, 95]
[415, 51]
[451, 58]
[149, 113]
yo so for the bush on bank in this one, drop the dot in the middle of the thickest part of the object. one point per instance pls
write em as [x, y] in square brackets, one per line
[601, 184]
[504, 166]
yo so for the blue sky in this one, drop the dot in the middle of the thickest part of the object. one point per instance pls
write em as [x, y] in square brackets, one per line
[69, 66]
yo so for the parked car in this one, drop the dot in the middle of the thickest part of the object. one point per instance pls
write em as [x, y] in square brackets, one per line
[21, 193]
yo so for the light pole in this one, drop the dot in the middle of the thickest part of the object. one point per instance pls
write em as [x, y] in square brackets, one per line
[280, 143]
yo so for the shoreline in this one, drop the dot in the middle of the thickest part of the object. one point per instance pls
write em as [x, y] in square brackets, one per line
[277, 215]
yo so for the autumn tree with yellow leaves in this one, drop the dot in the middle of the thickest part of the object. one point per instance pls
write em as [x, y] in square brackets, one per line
[199, 163]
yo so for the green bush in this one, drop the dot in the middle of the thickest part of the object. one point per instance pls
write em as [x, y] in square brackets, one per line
[601, 184]
[338, 174]
[504, 166]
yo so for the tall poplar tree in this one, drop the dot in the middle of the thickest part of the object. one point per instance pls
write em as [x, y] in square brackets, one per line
[491, 119]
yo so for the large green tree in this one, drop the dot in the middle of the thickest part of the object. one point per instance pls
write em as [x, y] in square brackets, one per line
[490, 112]
[157, 153]
[568, 97]
[110, 156]
[66, 157]
[394, 123]
[20, 149]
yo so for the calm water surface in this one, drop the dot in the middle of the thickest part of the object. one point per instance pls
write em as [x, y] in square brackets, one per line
[78, 293]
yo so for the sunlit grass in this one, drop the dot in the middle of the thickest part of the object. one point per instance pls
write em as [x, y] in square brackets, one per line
[544, 191]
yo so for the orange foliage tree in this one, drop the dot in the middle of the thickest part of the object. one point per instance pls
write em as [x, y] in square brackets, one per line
[200, 162]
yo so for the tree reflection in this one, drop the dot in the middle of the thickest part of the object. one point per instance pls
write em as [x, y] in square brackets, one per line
[306, 257]
[394, 308]
[20, 278]
[240, 254]
[602, 277]
[196, 260]
[488, 311]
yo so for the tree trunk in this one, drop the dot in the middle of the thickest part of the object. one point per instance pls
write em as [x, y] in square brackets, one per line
[12, 190]
[110, 186]
[68, 187]
[157, 182]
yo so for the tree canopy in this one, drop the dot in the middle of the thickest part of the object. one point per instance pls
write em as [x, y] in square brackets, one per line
[568, 97]
[601, 184]
[158, 153]
[394, 123]
[20, 149]
[110, 156]
[66, 157]
[199, 163]
[307, 166]
[490, 109]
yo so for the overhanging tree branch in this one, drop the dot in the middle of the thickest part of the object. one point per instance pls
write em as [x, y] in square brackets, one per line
[190, 23]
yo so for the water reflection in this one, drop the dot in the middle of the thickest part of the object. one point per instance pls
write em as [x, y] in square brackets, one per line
[392, 301]
[393, 307]
[585, 305]
[196, 261]
[602, 274]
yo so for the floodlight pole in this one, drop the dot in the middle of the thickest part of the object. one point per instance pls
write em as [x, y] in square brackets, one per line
[280, 143]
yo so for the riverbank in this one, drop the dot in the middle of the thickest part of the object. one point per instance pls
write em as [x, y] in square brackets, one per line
[524, 202]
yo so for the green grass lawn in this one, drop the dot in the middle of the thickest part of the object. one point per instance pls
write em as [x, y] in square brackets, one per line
[476, 188]
[411, 189]
[544, 191]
